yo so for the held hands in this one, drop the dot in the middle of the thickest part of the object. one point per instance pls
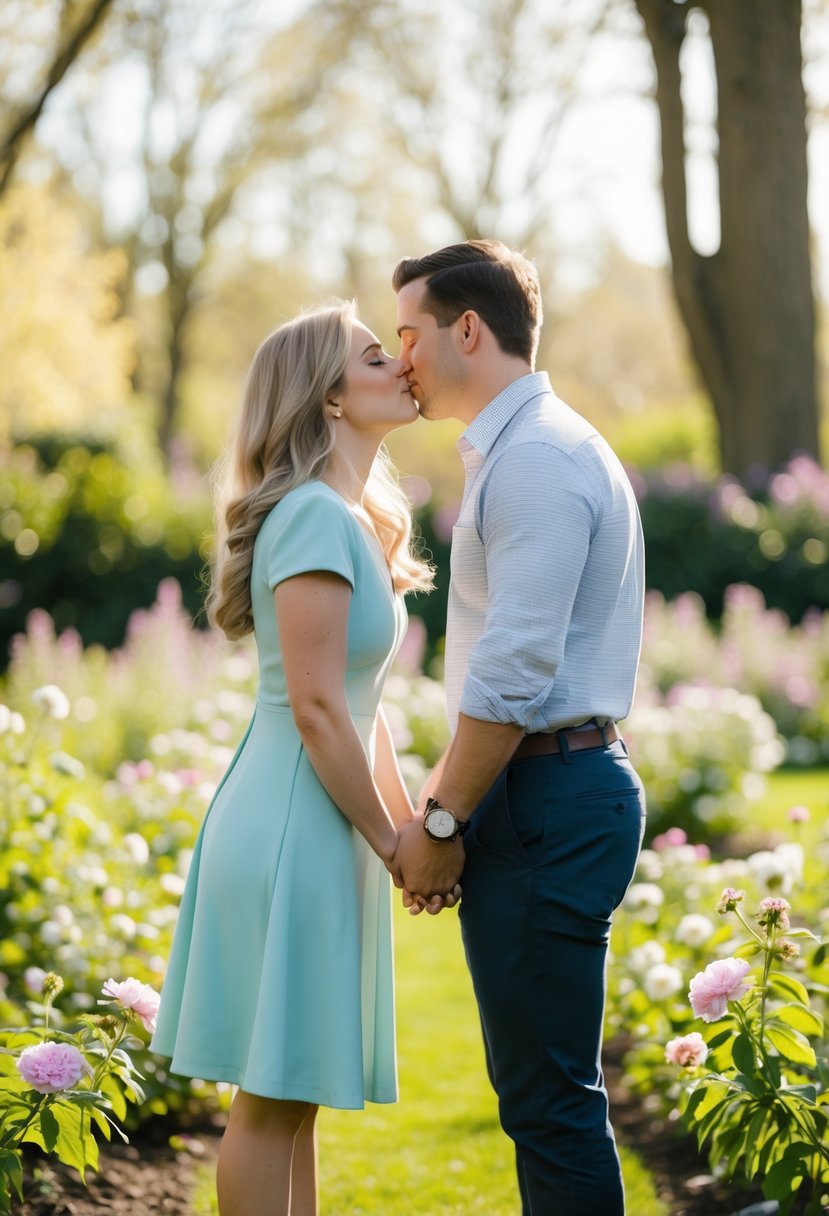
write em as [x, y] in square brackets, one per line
[430, 870]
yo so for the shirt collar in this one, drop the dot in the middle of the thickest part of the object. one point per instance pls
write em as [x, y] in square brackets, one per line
[482, 432]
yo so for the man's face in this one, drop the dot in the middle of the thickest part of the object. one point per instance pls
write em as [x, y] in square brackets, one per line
[431, 362]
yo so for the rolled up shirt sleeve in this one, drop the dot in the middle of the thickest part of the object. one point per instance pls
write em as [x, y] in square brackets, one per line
[536, 518]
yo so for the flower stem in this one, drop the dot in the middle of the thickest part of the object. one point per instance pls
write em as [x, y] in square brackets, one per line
[750, 928]
[100, 1071]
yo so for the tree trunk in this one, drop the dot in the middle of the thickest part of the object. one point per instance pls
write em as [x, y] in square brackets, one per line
[749, 308]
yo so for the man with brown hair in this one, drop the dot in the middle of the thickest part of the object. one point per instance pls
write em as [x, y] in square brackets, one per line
[535, 800]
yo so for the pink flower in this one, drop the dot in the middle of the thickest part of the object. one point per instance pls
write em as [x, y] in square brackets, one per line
[729, 900]
[798, 814]
[140, 998]
[51, 1067]
[689, 1052]
[722, 981]
[774, 912]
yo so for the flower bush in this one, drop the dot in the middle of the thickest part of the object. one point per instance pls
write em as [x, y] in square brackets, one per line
[684, 987]
[58, 1087]
[702, 754]
[756, 650]
[706, 536]
[761, 1103]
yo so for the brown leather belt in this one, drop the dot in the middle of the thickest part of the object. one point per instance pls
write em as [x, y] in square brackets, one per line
[576, 741]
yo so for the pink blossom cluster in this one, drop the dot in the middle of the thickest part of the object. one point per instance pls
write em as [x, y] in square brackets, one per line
[729, 900]
[140, 999]
[676, 838]
[774, 911]
[51, 1067]
[722, 981]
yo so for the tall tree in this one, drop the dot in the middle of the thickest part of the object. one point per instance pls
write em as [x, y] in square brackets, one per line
[748, 307]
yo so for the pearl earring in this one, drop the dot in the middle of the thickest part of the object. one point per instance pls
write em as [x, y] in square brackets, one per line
[336, 413]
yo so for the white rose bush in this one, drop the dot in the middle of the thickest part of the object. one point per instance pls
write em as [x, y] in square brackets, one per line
[60, 1087]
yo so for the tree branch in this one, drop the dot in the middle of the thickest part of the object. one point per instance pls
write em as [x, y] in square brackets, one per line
[63, 60]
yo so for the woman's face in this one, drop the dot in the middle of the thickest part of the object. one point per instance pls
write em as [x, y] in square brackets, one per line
[375, 395]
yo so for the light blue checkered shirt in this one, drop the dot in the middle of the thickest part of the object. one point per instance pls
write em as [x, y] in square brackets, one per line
[544, 623]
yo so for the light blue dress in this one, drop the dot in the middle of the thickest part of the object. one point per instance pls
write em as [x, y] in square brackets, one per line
[280, 978]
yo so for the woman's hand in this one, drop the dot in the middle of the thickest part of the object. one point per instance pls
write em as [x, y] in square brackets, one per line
[417, 903]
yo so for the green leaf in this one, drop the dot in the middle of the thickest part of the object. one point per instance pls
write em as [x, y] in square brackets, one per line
[807, 1092]
[777, 1183]
[806, 1020]
[49, 1128]
[721, 1037]
[792, 1045]
[75, 1144]
[743, 1054]
[113, 1091]
[747, 950]
[801, 932]
[788, 986]
[11, 1170]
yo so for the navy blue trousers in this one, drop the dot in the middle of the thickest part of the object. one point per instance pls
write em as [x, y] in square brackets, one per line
[550, 852]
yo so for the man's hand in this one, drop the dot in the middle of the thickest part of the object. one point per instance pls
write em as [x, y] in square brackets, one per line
[429, 867]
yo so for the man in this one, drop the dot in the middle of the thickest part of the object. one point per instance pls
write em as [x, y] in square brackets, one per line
[535, 800]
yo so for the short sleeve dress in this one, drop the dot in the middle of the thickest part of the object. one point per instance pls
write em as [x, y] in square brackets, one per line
[280, 978]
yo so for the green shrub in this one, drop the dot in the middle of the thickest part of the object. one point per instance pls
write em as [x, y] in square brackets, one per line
[90, 536]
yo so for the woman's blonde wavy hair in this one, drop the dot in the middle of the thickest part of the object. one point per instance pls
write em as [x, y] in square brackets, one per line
[283, 438]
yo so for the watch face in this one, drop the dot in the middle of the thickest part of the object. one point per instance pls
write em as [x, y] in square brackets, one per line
[441, 823]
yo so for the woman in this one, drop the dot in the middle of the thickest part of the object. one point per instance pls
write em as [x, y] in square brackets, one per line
[280, 979]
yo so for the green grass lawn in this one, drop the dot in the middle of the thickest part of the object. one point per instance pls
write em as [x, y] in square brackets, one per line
[441, 1151]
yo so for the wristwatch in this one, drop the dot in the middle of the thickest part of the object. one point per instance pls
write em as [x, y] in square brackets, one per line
[439, 823]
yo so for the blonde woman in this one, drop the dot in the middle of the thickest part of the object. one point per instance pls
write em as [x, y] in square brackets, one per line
[280, 978]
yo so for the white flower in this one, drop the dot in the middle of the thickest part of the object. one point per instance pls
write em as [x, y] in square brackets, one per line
[643, 957]
[52, 700]
[173, 884]
[780, 870]
[123, 925]
[650, 865]
[137, 848]
[64, 915]
[33, 978]
[51, 933]
[644, 895]
[662, 981]
[694, 929]
[112, 897]
[62, 762]
[17, 723]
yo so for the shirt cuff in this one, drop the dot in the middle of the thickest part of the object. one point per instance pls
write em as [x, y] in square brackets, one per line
[480, 701]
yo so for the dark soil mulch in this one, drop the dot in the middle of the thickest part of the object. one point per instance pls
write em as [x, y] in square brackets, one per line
[144, 1178]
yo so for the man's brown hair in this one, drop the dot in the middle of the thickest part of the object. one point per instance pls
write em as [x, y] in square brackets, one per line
[487, 277]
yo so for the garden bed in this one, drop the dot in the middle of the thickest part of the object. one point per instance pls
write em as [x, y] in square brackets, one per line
[156, 1179]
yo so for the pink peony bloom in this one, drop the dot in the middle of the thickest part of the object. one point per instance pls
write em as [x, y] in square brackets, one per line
[722, 981]
[798, 814]
[689, 1052]
[140, 998]
[51, 1067]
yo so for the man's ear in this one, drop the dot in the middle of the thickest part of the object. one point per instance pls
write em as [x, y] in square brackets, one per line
[469, 331]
